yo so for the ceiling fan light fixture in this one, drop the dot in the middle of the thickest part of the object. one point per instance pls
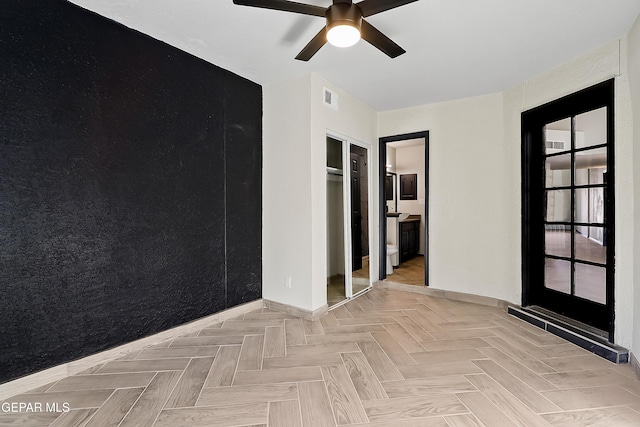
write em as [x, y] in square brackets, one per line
[344, 21]
[343, 35]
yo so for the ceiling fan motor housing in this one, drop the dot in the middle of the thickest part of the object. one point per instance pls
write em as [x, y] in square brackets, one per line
[344, 14]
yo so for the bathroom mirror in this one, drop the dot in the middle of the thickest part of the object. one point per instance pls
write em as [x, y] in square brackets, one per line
[390, 191]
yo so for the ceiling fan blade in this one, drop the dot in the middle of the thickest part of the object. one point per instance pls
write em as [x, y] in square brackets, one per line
[313, 46]
[285, 5]
[343, 1]
[371, 7]
[379, 40]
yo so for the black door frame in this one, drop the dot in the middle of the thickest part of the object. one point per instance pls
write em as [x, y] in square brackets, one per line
[382, 168]
[533, 291]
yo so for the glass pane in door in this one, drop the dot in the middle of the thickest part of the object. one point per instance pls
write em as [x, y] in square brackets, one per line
[557, 275]
[558, 207]
[581, 210]
[557, 136]
[591, 282]
[591, 128]
[557, 240]
[590, 159]
[558, 171]
[588, 248]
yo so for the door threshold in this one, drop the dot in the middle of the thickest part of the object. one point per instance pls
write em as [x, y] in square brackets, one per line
[346, 300]
[568, 323]
[584, 336]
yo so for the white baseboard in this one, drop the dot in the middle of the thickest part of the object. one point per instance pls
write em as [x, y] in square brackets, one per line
[41, 378]
[295, 311]
[439, 293]
[635, 364]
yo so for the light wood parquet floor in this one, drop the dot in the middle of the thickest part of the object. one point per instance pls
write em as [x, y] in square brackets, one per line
[336, 292]
[410, 272]
[387, 358]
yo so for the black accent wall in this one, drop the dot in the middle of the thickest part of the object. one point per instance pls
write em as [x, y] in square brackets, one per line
[130, 186]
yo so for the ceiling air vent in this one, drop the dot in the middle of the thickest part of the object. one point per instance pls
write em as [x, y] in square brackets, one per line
[329, 98]
[555, 145]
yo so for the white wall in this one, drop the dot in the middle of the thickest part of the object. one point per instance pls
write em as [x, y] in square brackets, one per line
[471, 231]
[633, 49]
[295, 125]
[356, 121]
[286, 244]
[475, 180]
[474, 184]
[410, 160]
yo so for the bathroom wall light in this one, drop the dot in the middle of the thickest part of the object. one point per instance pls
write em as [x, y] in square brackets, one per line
[343, 24]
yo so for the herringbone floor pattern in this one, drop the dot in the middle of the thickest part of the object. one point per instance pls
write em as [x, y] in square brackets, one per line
[388, 358]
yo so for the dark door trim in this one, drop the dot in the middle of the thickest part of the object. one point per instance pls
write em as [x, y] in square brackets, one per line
[533, 289]
[382, 168]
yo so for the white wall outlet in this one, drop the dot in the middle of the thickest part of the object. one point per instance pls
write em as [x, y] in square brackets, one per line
[287, 282]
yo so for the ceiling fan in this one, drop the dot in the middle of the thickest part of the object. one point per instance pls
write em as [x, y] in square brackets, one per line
[345, 24]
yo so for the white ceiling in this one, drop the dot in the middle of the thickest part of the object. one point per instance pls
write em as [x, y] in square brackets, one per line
[406, 143]
[455, 48]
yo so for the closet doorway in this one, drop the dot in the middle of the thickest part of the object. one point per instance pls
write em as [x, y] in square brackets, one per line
[349, 225]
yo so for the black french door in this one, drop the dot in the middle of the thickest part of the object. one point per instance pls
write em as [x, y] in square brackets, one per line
[568, 206]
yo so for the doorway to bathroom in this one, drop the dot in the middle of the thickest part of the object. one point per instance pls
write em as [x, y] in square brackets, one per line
[404, 208]
[349, 184]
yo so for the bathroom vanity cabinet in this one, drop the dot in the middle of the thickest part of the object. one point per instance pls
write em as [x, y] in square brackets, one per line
[409, 237]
